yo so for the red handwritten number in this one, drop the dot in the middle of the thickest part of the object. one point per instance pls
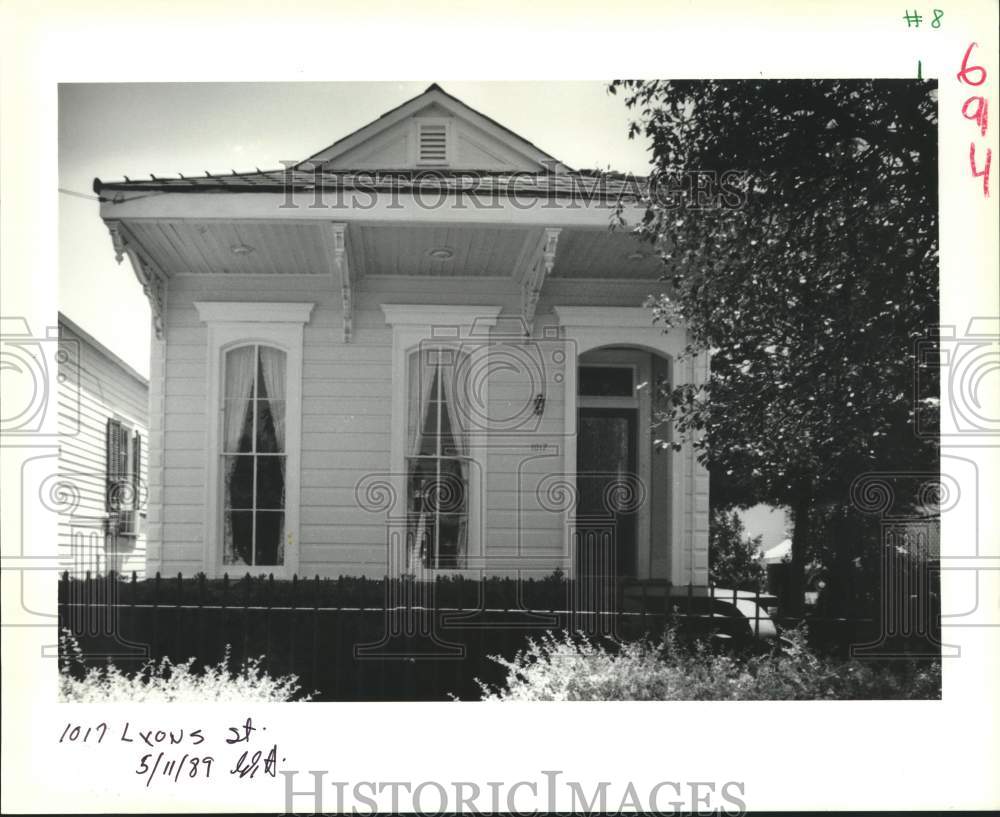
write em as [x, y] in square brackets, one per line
[979, 115]
[963, 75]
[985, 172]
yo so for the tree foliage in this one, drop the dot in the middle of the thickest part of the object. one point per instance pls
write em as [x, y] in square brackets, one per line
[810, 283]
[734, 558]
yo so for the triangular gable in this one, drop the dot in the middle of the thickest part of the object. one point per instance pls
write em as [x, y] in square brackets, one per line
[418, 133]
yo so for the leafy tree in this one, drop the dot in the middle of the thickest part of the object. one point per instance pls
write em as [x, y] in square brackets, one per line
[734, 559]
[810, 277]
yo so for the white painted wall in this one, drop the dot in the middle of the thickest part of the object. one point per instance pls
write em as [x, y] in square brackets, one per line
[94, 386]
[346, 421]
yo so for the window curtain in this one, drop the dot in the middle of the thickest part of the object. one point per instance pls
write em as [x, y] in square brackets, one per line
[240, 366]
[456, 404]
[272, 367]
[239, 389]
[272, 385]
[422, 372]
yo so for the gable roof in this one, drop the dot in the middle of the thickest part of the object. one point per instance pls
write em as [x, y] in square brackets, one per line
[86, 337]
[524, 169]
[519, 154]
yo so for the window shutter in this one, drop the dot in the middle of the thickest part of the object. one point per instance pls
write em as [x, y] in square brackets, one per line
[114, 452]
[123, 449]
[432, 144]
[136, 464]
[136, 473]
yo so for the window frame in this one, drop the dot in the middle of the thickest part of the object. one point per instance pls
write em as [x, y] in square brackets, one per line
[254, 455]
[437, 396]
[590, 329]
[442, 326]
[615, 400]
[229, 326]
[132, 473]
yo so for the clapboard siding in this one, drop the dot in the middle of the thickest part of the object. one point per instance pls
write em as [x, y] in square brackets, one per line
[331, 422]
[346, 424]
[346, 413]
[94, 385]
[346, 420]
[356, 463]
[369, 405]
[531, 447]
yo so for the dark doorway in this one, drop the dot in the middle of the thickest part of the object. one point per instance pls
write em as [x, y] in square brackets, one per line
[606, 467]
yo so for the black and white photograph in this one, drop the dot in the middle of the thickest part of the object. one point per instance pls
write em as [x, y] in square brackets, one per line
[432, 413]
[394, 396]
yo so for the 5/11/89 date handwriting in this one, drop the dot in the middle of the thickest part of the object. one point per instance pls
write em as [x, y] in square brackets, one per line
[174, 768]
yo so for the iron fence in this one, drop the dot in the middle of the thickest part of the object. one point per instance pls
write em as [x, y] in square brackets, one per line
[401, 639]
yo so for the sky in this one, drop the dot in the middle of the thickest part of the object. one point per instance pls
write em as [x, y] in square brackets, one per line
[113, 130]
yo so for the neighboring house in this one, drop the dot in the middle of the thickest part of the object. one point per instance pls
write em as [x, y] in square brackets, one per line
[420, 351]
[103, 418]
[770, 522]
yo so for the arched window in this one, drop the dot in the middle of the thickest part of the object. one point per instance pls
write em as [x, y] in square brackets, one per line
[254, 456]
[438, 437]
[437, 472]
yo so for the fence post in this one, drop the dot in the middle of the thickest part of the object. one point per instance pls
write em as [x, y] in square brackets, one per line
[200, 623]
[360, 667]
[156, 616]
[315, 629]
[339, 655]
[246, 616]
[61, 599]
[223, 616]
[179, 615]
[131, 607]
[293, 618]
[268, 601]
[461, 664]
[668, 610]
[645, 628]
[88, 600]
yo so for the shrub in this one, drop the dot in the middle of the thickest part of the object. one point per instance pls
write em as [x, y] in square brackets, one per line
[572, 668]
[166, 682]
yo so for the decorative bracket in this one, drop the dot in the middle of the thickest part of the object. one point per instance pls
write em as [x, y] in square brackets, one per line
[152, 279]
[540, 265]
[117, 239]
[343, 272]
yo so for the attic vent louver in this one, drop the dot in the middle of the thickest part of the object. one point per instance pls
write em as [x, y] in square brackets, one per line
[432, 144]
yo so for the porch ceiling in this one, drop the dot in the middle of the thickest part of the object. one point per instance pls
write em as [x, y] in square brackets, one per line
[476, 252]
[596, 254]
[287, 247]
[269, 248]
